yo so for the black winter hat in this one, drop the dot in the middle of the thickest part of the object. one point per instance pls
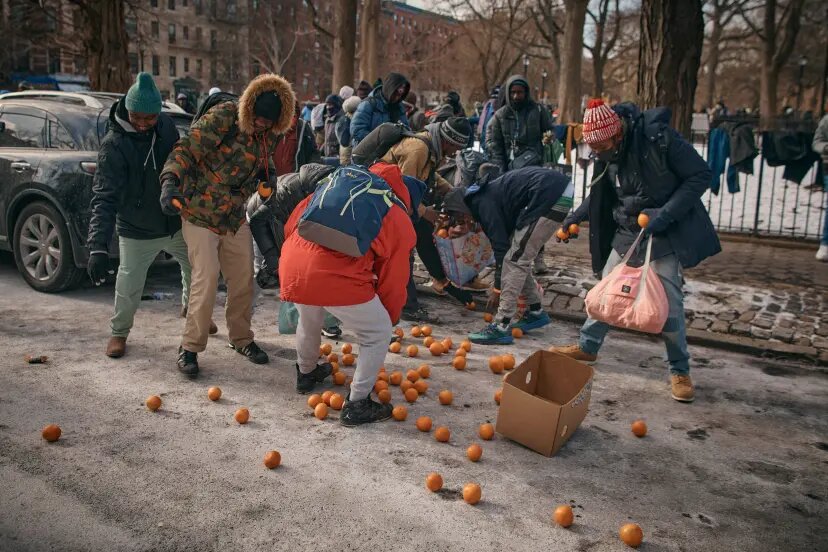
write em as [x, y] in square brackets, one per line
[268, 105]
[456, 131]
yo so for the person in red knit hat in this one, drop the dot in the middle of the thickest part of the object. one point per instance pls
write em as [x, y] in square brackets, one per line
[644, 166]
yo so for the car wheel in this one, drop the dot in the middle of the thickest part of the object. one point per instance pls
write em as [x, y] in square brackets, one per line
[43, 249]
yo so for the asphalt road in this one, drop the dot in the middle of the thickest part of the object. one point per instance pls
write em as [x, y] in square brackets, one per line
[743, 468]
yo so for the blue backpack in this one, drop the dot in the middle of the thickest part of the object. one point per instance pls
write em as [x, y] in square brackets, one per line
[346, 211]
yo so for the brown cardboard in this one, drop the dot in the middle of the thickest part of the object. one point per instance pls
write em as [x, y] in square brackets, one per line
[544, 400]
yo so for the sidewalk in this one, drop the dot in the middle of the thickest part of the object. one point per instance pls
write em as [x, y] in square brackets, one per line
[752, 297]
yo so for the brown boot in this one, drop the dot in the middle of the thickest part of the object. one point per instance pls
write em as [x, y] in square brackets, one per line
[116, 347]
[574, 352]
[682, 388]
[213, 328]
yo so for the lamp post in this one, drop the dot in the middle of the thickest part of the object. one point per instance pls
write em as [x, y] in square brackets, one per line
[544, 74]
[803, 61]
[525, 65]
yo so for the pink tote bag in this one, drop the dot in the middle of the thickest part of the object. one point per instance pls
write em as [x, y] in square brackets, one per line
[631, 298]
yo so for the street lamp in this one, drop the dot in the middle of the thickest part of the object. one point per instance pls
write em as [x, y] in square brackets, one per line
[525, 65]
[544, 74]
[803, 61]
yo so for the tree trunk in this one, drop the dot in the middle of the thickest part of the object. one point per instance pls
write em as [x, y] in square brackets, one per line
[569, 87]
[344, 47]
[713, 57]
[598, 76]
[672, 34]
[105, 41]
[370, 42]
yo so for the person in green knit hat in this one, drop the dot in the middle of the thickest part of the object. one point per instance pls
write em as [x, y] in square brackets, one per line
[125, 195]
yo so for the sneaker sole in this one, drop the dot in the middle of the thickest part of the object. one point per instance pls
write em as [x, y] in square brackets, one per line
[533, 325]
[350, 424]
[691, 399]
[499, 341]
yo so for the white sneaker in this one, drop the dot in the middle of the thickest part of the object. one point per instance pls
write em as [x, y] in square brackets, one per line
[822, 253]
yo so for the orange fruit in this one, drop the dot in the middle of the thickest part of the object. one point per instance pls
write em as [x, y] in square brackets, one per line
[426, 330]
[272, 459]
[321, 411]
[337, 401]
[471, 306]
[486, 432]
[242, 415]
[400, 413]
[487, 316]
[434, 482]
[574, 229]
[398, 332]
[563, 515]
[562, 234]
[443, 233]
[424, 424]
[347, 348]
[334, 368]
[416, 331]
[412, 375]
[460, 352]
[445, 397]
[631, 533]
[411, 395]
[498, 395]
[314, 399]
[424, 371]
[447, 344]
[459, 363]
[428, 341]
[405, 386]
[382, 369]
[442, 434]
[394, 347]
[639, 428]
[466, 344]
[437, 348]
[472, 493]
[496, 364]
[384, 396]
[380, 386]
[508, 362]
[517, 333]
[51, 433]
[395, 378]
[339, 378]
[153, 402]
[325, 349]
[326, 397]
[348, 359]
[421, 386]
[643, 221]
[474, 452]
[383, 376]
[214, 393]
[412, 350]
[333, 357]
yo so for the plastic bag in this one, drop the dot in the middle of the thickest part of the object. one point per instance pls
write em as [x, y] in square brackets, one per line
[464, 257]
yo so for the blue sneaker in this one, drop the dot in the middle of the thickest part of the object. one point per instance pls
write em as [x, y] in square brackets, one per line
[532, 321]
[492, 335]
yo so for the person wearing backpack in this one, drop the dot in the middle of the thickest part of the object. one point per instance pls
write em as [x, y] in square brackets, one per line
[207, 179]
[486, 115]
[645, 167]
[383, 105]
[366, 292]
[333, 114]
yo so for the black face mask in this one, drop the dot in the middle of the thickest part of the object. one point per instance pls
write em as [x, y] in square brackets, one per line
[608, 156]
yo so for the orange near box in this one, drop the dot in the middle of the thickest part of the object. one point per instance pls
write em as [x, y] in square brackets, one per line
[544, 401]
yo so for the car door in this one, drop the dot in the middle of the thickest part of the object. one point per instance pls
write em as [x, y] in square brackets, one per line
[22, 143]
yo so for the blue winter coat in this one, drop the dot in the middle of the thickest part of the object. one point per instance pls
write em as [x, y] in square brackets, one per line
[372, 112]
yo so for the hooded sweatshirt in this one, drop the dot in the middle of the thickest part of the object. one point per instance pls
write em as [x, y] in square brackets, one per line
[376, 108]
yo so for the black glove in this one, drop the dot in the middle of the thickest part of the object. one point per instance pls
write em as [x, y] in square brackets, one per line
[170, 190]
[98, 267]
[660, 220]
[461, 295]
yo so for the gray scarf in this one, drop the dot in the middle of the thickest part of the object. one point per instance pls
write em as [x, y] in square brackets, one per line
[433, 130]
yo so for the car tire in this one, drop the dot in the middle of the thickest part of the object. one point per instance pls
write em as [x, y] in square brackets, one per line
[43, 249]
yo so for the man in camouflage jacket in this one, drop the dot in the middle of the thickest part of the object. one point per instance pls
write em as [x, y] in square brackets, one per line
[210, 174]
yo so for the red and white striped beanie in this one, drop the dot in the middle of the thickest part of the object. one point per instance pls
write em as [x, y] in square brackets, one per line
[600, 122]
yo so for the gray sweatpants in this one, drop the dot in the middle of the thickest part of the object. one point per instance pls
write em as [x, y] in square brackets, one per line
[372, 326]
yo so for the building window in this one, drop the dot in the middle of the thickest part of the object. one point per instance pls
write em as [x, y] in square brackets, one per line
[186, 65]
[257, 68]
[199, 68]
[154, 3]
[131, 26]
[198, 7]
[133, 63]
[231, 9]
[213, 71]
[172, 66]
[171, 32]
[54, 60]
[170, 4]
[213, 39]
[156, 66]
[198, 35]
[184, 3]
[186, 32]
[154, 29]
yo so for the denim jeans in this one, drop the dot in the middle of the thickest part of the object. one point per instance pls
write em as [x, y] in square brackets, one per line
[668, 269]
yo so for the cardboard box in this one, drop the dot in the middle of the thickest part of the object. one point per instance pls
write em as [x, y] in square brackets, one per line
[544, 401]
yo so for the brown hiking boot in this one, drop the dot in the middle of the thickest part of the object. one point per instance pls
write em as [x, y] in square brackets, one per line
[476, 285]
[574, 352]
[213, 328]
[682, 388]
[116, 347]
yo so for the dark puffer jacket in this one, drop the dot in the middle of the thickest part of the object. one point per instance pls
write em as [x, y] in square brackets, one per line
[521, 129]
[126, 185]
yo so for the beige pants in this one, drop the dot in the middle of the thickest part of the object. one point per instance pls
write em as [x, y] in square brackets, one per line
[211, 253]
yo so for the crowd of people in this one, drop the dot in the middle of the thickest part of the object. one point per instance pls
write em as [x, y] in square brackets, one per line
[256, 170]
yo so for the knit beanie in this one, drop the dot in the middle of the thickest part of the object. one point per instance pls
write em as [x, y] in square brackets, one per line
[456, 131]
[600, 122]
[351, 104]
[346, 92]
[143, 96]
[268, 105]
[335, 100]
[364, 86]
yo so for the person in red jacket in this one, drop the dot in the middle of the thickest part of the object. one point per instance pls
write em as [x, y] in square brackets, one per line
[367, 294]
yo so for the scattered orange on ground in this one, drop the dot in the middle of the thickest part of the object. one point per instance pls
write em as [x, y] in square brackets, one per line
[428, 341]
[643, 220]
[508, 362]
[447, 343]
[487, 316]
[416, 331]
[380, 385]
[498, 395]
[347, 348]
[325, 349]
[272, 459]
[436, 348]
[434, 482]
[384, 396]
[326, 397]
[424, 424]
[426, 330]
[442, 434]
[394, 347]
[334, 368]
[395, 378]
[321, 411]
[383, 376]
[348, 359]
[474, 452]
[459, 363]
[400, 413]
[153, 402]
[337, 401]
[486, 432]
[471, 305]
[51, 433]
[412, 375]
[445, 397]
[631, 533]
[405, 386]
[424, 371]
[466, 344]
[399, 332]
[412, 350]
[563, 515]
[339, 378]
[496, 364]
[242, 415]
[411, 395]
[639, 428]
[314, 399]
[421, 386]
[472, 493]
[517, 333]
[460, 352]
[333, 357]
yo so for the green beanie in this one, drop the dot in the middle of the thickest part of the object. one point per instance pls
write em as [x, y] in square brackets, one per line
[143, 96]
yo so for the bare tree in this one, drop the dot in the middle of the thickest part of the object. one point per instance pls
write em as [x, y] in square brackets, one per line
[344, 45]
[569, 87]
[104, 38]
[607, 27]
[271, 47]
[549, 21]
[720, 15]
[369, 47]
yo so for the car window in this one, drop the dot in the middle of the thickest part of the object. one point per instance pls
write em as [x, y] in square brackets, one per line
[59, 137]
[22, 131]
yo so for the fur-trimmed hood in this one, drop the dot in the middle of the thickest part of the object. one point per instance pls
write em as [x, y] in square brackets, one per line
[268, 82]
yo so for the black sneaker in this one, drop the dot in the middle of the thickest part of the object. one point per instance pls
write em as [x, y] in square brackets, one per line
[253, 353]
[306, 382]
[332, 333]
[187, 362]
[420, 315]
[366, 411]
